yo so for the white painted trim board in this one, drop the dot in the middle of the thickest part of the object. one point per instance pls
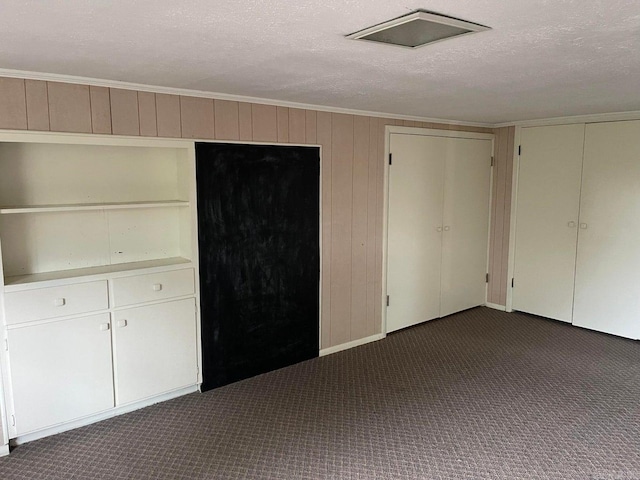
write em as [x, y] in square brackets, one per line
[354, 343]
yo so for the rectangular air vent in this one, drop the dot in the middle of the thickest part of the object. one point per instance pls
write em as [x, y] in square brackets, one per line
[417, 29]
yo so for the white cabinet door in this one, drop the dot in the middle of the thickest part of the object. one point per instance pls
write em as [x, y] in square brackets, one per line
[607, 296]
[154, 349]
[547, 220]
[416, 190]
[60, 371]
[466, 224]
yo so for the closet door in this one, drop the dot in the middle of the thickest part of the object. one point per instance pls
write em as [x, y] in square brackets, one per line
[466, 224]
[607, 294]
[546, 220]
[416, 192]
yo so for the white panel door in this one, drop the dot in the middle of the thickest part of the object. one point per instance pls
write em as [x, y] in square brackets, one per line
[547, 220]
[466, 224]
[607, 296]
[416, 192]
[60, 371]
[154, 349]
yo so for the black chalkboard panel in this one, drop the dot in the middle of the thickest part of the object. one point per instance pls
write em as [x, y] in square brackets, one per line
[258, 224]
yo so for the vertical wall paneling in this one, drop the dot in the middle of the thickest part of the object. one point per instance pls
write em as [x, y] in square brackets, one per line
[296, 125]
[100, 110]
[282, 114]
[197, 117]
[497, 220]
[244, 121]
[374, 163]
[264, 123]
[352, 174]
[37, 105]
[311, 126]
[500, 216]
[125, 119]
[360, 202]
[226, 120]
[168, 115]
[69, 107]
[147, 114]
[324, 139]
[342, 229]
[13, 105]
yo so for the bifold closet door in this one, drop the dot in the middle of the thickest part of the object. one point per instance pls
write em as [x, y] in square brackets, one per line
[465, 224]
[547, 220]
[607, 296]
[416, 195]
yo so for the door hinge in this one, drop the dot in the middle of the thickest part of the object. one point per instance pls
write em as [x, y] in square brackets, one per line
[6, 345]
[387, 300]
[391, 159]
[487, 278]
[519, 150]
[13, 420]
[512, 283]
[492, 161]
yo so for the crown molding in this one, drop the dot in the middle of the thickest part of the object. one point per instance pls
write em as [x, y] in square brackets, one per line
[590, 118]
[54, 77]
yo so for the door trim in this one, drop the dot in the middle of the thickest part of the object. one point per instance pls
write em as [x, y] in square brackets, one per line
[427, 132]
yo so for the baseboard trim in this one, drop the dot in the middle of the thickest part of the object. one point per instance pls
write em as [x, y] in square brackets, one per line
[114, 412]
[4, 450]
[348, 345]
[495, 306]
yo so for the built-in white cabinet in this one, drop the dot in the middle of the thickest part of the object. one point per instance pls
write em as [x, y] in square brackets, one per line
[578, 224]
[60, 371]
[97, 241]
[154, 349]
[438, 226]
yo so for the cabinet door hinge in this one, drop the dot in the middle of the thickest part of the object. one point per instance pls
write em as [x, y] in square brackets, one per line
[492, 161]
[6, 345]
[487, 278]
[388, 300]
[512, 283]
[13, 420]
[519, 150]
[391, 159]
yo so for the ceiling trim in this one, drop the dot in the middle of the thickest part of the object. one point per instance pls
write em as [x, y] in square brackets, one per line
[54, 77]
[589, 118]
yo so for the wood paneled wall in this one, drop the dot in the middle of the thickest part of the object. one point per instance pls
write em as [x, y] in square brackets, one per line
[500, 215]
[352, 169]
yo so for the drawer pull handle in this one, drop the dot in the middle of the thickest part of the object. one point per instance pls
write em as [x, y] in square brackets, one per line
[157, 287]
[122, 323]
[104, 327]
[60, 302]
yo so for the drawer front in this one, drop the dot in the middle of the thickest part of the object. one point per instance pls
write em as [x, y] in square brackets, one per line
[154, 286]
[52, 302]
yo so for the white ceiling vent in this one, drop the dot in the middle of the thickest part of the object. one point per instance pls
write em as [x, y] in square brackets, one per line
[417, 29]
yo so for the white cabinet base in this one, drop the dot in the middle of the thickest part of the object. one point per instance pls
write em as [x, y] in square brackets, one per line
[60, 371]
[82, 422]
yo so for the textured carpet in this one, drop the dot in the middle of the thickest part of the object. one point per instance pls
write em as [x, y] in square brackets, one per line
[480, 394]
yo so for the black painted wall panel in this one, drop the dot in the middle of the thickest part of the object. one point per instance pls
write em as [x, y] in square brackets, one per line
[258, 222]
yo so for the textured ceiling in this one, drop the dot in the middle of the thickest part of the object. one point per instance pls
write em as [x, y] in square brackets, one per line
[543, 58]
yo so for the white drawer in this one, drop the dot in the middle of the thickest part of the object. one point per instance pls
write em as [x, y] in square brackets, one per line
[154, 286]
[51, 302]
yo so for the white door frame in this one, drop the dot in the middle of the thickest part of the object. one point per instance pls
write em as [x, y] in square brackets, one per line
[428, 132]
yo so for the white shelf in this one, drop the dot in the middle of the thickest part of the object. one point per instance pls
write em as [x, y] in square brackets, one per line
[21, 282]
[92, 206]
